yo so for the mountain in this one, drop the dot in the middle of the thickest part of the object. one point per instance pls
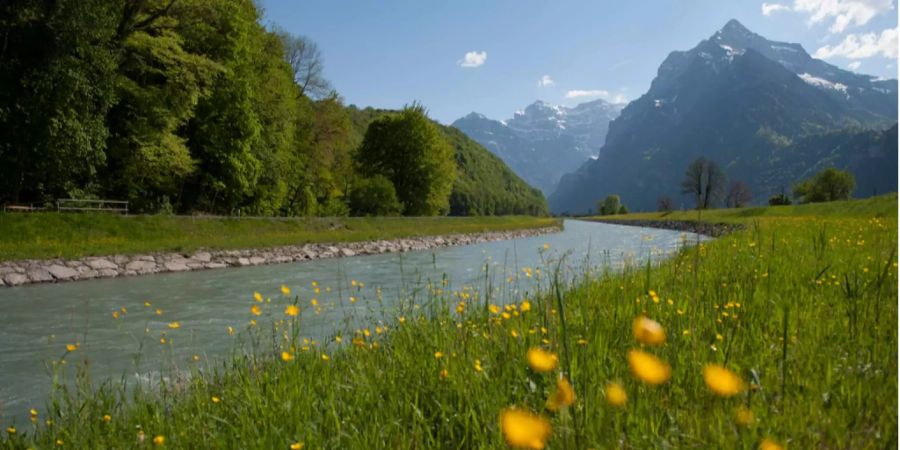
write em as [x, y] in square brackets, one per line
[484, 184]
[738, 99]
[543, 142]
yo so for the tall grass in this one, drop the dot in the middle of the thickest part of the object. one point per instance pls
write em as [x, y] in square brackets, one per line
[802, 306]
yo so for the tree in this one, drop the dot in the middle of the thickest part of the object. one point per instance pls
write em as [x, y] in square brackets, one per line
[374, 196]
[828, 185]
[622, 210]
[739, 195]
[609, 206]
[705, 180]
[306, 62]
[665, 204]
[410, 150]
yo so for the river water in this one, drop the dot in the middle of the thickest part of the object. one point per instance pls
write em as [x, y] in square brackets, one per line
[39, 320]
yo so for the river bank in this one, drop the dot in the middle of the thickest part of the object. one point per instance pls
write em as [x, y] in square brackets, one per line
[30, 271]
[704, 228]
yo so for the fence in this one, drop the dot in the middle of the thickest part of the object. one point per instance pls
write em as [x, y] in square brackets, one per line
[71, 204]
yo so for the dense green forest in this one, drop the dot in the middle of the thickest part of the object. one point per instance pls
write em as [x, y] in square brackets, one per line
[195, 106]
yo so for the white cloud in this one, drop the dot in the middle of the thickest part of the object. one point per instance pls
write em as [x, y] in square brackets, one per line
[590, 93]
[842, 12]
[473, 59]
[854, 65]
[620, 98]
[859, 46]
[546, 81]
[769, 8]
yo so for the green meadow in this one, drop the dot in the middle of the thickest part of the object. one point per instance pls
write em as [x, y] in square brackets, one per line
[796, 313]
[54, 235]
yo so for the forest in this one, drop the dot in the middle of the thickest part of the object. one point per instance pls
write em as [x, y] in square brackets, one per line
[197, 106]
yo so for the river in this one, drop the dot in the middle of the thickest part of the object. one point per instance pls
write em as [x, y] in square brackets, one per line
[39, 320]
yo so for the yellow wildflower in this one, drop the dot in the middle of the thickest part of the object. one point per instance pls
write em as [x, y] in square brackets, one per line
[444, 374]
[325, 357]
[524, 429]
[287, 356]
[648, 368]
[722, 381]
[494, 309]
[297, 446]
[230, 331]
[159, 440]
[525, 306]
[72, 347]
[743, 416]
[292, 310]
[615, 394]
[11, 430]
[285, 290]
[107, 418]
[174, 325]
[257, 296]
[541, 360]
[438, 355]
[648, 331]
[768, 444]
[563, 396]
[256, 310]
[115, 314]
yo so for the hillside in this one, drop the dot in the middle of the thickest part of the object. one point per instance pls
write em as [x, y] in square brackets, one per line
[484, 184]
[726, 100]
[543, 142]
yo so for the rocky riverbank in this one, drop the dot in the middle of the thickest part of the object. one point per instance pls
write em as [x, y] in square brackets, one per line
[16, 273]
[704, 228]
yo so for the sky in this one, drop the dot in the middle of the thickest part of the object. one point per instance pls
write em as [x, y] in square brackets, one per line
[498, 56]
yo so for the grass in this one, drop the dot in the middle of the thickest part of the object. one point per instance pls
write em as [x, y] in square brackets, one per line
[801, 305]
[72, 235]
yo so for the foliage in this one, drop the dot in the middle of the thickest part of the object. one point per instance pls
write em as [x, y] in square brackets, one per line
[410, 150]
[779, 200]
[827, 186]
[610, 205]
[705, 181]
[374, 197]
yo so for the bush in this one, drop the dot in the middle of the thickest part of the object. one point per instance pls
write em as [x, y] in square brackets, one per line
[827, 186]
[375, 196]
[610, 205]
[778, 200]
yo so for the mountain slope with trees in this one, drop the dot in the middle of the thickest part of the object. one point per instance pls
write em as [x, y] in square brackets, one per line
[189, 106]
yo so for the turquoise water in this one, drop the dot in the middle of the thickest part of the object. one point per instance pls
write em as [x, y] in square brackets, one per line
[39, 320]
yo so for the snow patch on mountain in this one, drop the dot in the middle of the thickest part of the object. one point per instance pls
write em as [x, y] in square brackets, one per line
[822, 83]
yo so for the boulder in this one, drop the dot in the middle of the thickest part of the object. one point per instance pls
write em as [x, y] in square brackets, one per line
[347, 252]
[100, 263]
[203, 257]
[62, 272]
[256, 260]
[141, 266]
[176, 266]
[14, 279]
[38, 275]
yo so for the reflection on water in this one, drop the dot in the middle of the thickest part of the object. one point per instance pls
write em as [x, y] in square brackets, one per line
[38, 321]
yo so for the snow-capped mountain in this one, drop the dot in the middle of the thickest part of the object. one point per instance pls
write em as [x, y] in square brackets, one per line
[741, 100]
[544, 141]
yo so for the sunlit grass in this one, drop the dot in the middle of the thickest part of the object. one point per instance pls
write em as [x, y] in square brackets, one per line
[782, 335]
[72, 235]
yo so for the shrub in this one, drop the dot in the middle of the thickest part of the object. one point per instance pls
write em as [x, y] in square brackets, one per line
[375, 196]
[827, 186]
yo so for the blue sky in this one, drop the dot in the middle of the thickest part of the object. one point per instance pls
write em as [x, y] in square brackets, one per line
[488, 56]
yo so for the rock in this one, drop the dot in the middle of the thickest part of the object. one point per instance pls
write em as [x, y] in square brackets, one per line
[62, 272]
[203, 257]
[89, 274]
[6, 269]
[347, 252]
[38, 275]
[176, 266]
[256, 260]
[215, 265]
[14, 279]
[141, 266]
[243, 262]
[100, 263]
[120, 259]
